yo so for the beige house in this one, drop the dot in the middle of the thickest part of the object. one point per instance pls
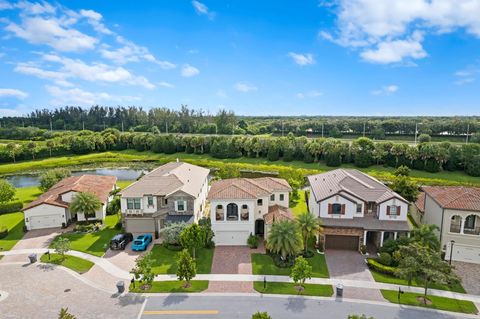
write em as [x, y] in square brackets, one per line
[456, 211]
[51, 209]
[174, 192]
[243, 206]
[356, 209]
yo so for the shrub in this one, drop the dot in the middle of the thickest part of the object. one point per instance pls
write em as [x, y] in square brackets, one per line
[171, 233]
[3, 231]
[87, 227]
[119, 225]
[261, 315]
[363, 249]
[308, 254]
[11, 207]
[114, 206]
[424, 138]
[402, 170]
[385, 259]
[252, 241]
[283, 263]
[376, 266]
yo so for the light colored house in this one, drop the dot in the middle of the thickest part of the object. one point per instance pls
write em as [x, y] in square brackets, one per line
[243, 206]
[51, 209]
[456, 211]
[173, 192]
[356, 209]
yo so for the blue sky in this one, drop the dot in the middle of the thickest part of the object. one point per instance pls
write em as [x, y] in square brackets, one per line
[355, 57]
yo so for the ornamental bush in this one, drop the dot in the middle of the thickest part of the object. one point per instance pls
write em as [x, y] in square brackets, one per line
[3, 231]
[11, 207]
[376, 266]
[385, 259]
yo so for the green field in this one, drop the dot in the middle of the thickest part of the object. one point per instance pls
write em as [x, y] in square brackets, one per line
[171, 287]
[166, 260]
[76, 264]
[287, 288]
[440, 303]
[262, 264]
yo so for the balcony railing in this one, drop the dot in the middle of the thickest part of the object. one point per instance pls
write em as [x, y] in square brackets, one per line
[472, 231]
[455, 229]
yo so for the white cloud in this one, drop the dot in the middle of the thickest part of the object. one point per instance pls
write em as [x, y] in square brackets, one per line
[11, 112]
[202, 9]
[13, 93]
[76, 96]
[189, 71]
[30, 69]
[4, 5]
[386, 90]
[35, 8]
[166, 85]
[467, 75]
[381, 27]
[51, 32]
[95, 20]
[244, 87]
[302, 59]
[309, 94]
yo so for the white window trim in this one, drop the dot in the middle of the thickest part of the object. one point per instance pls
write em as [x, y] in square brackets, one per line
[184, 205]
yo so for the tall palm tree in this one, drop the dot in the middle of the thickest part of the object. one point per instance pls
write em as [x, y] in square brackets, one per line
[427, 236]
[86, 203]
[285, 238]
[309, 226]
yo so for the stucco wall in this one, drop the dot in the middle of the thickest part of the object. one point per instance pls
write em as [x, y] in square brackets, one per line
[43, 210]
[350, 207]
[239, 225]
[382, 210]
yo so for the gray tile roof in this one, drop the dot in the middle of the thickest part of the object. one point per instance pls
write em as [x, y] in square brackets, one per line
[174, 218]
[367, 223]
[350, 182]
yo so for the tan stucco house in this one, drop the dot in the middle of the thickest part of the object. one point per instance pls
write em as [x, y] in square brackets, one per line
[356, 209]
[456, 211]
[51, 209]
[174, 192]
[243, 206]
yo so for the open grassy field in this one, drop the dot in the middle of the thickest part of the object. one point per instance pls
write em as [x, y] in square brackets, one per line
[130, 157]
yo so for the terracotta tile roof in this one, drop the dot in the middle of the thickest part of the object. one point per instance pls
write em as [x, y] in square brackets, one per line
[169, 178]
[247, 188]
[420, 202]
[353, 182]
[455, 197]
[277, 213]
[101, 186]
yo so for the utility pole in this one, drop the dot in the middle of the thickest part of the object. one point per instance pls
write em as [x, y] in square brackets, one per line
[416, 132]
[468, 133]
[363, 129]
[216, 129]
[122, 126]
[83, 125]
[104, 125]
[322, 130]
[166, 127]
[282, 128]
[51, 128]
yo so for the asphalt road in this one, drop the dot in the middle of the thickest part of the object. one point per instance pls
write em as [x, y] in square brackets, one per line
[281, 307]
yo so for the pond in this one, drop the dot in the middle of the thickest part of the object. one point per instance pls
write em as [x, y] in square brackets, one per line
[122, 174]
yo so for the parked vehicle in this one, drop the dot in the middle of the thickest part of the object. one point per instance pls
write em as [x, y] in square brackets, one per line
[142, 242]
[120, 241]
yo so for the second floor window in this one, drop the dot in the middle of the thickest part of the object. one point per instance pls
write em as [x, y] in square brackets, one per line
[282, 197]
[359, 208]
[150, 201]
[393, 210]
[336, 209]
[259, 202]
[181, 206]
[272, 197]
[133, 203]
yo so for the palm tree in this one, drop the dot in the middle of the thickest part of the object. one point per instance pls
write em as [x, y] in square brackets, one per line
[285, 238]
[427, 236]
[86, 203]
[309, 226]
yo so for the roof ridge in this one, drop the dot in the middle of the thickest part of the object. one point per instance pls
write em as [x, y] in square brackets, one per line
[251, 181]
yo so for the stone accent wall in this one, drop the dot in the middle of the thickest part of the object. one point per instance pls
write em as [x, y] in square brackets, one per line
[345, 232]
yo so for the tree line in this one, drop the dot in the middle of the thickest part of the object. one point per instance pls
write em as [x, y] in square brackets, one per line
[187, 120]
[362, 152]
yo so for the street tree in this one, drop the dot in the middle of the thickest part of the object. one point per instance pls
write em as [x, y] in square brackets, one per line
[186, 267]
[61, 246]
[301, 271]
[192, 237]
[143, 270]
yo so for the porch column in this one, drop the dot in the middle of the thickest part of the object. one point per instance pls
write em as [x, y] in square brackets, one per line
[365, 237]
[462, 225]
[381, 238]
[395, 235]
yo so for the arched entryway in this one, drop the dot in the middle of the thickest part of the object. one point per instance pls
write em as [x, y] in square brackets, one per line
[259, 227]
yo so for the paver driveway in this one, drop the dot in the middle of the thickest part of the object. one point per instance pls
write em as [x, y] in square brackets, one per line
[39, 291]
[346, 264]
[470, 275]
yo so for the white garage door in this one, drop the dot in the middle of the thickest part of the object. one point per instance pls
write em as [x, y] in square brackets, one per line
[46, 221]
[466, 253]
[231, 238]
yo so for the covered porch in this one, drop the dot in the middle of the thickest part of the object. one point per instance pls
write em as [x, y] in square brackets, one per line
[374, 239]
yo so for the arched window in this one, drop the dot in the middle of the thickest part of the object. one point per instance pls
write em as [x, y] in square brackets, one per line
[455, 224]
[232, 211]
[471, 226]
[244, 213]
[219, 214]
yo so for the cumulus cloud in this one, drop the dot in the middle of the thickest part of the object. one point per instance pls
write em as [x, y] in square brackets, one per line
[386, 90]
[166, 85]
[189, 71]
[202, 9]
[95, 20]
[391, 31]
[18, 94]
[244, 87]
[302, 58]
[31, 69]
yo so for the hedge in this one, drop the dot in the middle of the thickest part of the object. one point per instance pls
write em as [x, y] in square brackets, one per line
[11, 207]
[375, 265]
[3, 232]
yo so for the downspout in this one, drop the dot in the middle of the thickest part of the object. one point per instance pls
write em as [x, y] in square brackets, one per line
[441, 226]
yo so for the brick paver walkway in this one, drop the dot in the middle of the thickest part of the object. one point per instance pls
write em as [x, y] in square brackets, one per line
[470, 275]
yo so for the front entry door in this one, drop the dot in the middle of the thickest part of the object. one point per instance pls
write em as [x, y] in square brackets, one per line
[259, 227]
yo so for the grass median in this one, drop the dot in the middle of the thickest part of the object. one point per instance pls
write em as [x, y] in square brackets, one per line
[171, 287]
[288, 288]
[76, 264]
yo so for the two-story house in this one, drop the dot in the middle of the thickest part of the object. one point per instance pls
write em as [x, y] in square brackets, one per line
[456, 212]
[243, 206]
[173, 192]
[356, 209]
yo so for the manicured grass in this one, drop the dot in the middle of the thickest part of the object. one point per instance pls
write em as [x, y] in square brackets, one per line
[287, 288]
[172, 287]
[299, 206]
[27, 194]
[440, 303]
[14, 223]
[379, 277]
[93, 243]
[262, 264]
[166, 260]
[124, 184]
[77, 264]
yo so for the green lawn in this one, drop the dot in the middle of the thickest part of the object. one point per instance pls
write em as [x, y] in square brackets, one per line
[77, 264]
[440, 303]
[14, 223]
[123, 184]
[262, 264]
[287, 288]
[299, 206]
[27, 194]
[172, 286]
[166, 260]
[94, 243]
[379, 277]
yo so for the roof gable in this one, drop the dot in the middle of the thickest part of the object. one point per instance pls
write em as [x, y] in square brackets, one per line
[247, 188]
